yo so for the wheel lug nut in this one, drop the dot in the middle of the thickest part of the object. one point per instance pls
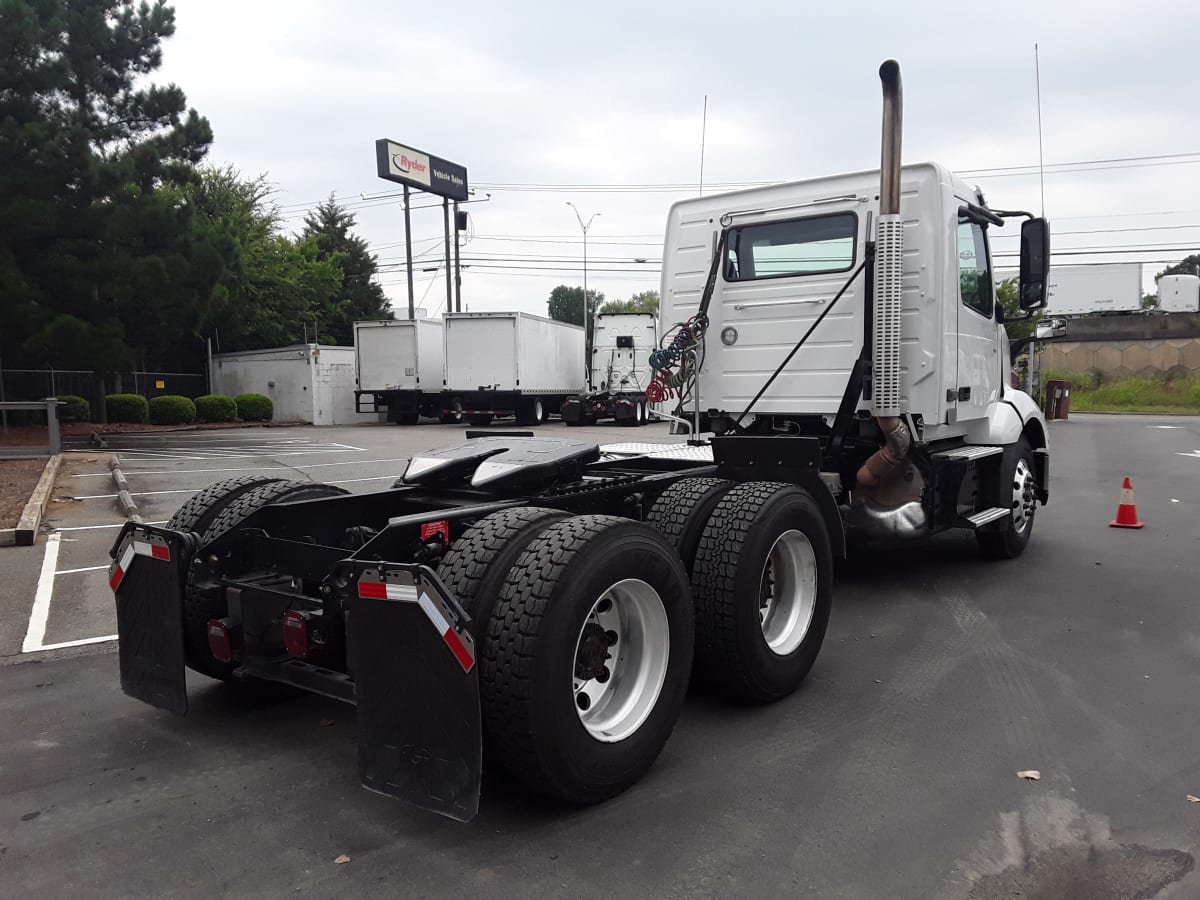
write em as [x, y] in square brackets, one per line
[603, 675]
[611, 637]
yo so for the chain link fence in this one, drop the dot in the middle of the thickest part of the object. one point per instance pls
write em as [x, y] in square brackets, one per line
[23, 385]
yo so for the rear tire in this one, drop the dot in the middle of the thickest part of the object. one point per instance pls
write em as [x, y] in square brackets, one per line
[204, 506]
[198, 608]
[531, 412]
[763, 581]
[409, 418]
[1017, 489]
[682, 510]
[578, 585]
[480, 560]
[479, 421]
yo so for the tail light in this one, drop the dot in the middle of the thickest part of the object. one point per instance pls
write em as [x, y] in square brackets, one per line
[295, 633]
[221, 634]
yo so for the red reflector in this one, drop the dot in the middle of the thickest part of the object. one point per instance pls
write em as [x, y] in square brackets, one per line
[158, 551]
[219, 643]
[372, 590]
[295, 633]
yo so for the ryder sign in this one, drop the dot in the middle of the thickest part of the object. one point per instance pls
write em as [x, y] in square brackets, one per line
[405, 165]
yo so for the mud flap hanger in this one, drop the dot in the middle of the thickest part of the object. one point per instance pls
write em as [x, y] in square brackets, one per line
[416, 684]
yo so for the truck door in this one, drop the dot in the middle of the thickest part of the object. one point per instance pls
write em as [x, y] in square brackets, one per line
[978, 332]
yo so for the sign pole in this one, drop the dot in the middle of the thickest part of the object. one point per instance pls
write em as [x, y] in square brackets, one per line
[457, 267]
[412, 309]
[446, 247]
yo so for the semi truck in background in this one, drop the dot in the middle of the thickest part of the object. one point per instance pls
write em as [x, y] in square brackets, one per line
[515, 364]
[549, 598]
[398, 369]
[619, 373]
[1179, 293]
[1088, 289]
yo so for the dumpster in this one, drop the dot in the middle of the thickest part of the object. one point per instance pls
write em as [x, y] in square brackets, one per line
[1058, 399]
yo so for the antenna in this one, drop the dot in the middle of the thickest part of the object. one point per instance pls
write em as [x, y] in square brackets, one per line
[703, 130]
[1037, 70]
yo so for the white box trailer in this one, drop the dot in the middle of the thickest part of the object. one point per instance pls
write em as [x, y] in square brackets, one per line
[1080, 290]
[1179, 293]
[620, 371]
[398, 363]
[510, 364]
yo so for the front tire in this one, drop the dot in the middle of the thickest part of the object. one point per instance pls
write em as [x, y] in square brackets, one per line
[586, 662]
[763, 585]
[1017, 488]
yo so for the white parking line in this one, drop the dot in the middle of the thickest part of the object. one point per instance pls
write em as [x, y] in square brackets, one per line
[76, 571]
[131, 470]
[36, 632]
[80, 643]
[136, 494]
[96, 527]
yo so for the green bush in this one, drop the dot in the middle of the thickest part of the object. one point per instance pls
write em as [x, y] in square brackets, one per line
[254, 407]
[77, 408]
[216, 408]
[170, 409]
[126, 408]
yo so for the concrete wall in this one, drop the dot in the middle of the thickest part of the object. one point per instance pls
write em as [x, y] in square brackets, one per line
[306, 382]
[1120, 359]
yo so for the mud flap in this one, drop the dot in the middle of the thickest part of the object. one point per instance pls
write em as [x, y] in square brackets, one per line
[416, 686]
[146, 579]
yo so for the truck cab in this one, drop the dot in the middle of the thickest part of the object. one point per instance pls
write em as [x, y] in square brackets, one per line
[797, 266]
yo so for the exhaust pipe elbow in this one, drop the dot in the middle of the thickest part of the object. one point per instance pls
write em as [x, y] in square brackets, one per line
[887, 458]
[893, 105]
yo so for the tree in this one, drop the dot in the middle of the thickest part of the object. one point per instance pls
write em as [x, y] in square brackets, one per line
[359, 296]
[1189, 265]
[1149, 301]
[566, 304]
[96, 247]
[1009, 295]
[641, 302]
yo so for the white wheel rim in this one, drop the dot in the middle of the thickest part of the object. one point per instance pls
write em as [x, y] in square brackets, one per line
[788, 592]
[641, 413]
[1024, 500]
[620, 661]
[537, 411]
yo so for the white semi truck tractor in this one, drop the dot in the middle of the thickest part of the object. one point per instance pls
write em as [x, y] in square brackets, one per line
[843, 362]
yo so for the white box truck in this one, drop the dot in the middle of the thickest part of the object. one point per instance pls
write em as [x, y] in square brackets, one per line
[510, 364]
[1179, 293]
[1080, 290]
[398, 364]
[620, 371]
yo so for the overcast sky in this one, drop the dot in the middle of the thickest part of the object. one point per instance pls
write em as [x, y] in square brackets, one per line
[601, 104]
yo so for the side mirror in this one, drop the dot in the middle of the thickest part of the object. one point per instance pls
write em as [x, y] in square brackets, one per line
[1035, 263]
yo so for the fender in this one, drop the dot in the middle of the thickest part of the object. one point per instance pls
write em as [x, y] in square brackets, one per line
[1007, 420]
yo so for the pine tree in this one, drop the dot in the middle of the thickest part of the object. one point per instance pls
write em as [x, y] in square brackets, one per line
[329, 225]
[98, 258]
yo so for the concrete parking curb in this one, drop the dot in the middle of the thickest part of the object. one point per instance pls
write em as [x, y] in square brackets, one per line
[35, 508]
[124, 498]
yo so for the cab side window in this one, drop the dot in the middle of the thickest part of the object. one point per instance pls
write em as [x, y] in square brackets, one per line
[974, 273]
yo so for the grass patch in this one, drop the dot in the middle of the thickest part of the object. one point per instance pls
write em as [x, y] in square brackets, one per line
[1090, 392]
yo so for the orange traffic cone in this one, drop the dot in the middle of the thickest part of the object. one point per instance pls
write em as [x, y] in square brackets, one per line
[1127, 511]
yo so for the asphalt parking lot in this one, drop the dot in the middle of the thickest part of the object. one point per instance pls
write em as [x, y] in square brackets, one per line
[891, 773]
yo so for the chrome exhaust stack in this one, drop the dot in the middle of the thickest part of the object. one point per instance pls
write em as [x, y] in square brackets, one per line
[886, 473]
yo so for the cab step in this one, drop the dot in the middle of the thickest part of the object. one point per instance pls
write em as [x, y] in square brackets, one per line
[987, 516]
[967, 454]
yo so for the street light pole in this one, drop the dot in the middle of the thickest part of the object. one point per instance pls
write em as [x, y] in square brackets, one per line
[587, 334]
